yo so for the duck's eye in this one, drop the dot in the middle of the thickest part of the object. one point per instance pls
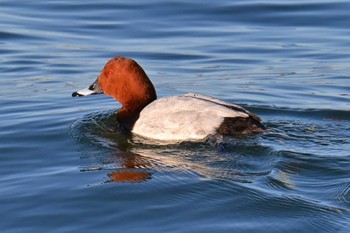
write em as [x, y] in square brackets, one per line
[109, 72]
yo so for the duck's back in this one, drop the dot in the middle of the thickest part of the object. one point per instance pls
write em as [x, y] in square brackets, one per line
[193, 117]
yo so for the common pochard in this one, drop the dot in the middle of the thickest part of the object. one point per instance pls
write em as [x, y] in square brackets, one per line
[187, 117]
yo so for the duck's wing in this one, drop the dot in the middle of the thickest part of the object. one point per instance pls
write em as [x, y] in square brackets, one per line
[246, 124]
[223, 103]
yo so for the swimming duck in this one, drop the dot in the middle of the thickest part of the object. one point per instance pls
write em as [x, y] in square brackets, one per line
[187, 117]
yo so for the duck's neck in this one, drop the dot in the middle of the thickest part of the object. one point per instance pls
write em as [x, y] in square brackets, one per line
[129, 113]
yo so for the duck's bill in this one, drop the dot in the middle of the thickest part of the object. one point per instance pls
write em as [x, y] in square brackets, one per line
[91, 90]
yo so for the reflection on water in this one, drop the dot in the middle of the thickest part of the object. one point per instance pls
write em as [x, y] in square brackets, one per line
[253, 160]
[134, 161]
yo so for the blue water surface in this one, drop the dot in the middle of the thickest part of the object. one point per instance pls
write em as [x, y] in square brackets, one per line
[64, 168]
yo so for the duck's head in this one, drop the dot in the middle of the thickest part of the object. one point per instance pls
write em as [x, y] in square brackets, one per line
[124, 80]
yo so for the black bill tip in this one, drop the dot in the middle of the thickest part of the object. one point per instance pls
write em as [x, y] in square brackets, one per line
[74, 94]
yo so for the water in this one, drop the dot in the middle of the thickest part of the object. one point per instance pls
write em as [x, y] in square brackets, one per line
[64, 168]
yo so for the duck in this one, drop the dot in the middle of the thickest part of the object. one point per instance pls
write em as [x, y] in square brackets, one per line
[184, 117]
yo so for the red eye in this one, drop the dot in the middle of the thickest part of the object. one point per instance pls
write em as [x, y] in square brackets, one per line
[109, 72]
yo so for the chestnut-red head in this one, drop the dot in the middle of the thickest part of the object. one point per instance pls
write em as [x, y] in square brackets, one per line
[124, 80]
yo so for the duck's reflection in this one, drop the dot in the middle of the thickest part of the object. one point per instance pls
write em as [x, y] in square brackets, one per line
[129, 176]
[132, 169]
[140, 164]
[128, 159]
[132, 162]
